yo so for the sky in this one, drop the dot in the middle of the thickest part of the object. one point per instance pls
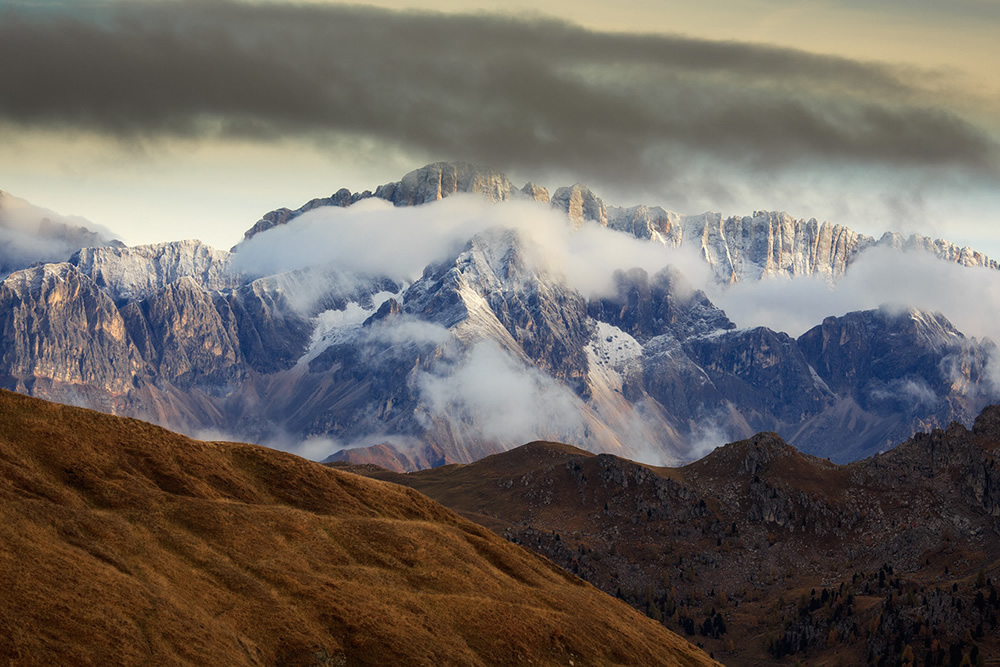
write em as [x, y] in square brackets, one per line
[190, 119]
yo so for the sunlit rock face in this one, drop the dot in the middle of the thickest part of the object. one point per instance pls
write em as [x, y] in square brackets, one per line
[59, 326]
[442, 179]
[580, 204]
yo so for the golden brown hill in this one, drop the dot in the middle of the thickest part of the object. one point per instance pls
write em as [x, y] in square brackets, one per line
[123, 543]
[759, 552]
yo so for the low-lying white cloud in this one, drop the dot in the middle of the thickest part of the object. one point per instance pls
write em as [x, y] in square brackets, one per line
[968, 296]
[30, 234]
[489, 393]
[374, 238]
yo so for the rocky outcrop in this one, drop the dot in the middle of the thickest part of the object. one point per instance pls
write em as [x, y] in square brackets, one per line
[536, 192]
[442, 179]
[137, 272]
[770, 243]
[56, 324]
[420, 186]
[581, 205]
[342, 197]
[646, 222]
[940, 248]
[645, 306]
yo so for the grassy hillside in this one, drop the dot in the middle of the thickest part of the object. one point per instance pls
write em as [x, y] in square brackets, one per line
[123, 543]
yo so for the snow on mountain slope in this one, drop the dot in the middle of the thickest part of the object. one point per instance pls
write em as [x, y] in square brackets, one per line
[133, 273]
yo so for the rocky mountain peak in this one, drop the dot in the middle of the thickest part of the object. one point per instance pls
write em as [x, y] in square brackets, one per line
[580, 204]
[536, 192]
[342, 197]
[133, 273]
[442, 179]
[646, 222]
[987, 424]
[421, 186]
[646, 306]
[746, 457]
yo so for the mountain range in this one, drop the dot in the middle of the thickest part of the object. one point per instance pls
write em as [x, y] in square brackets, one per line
[488, 344]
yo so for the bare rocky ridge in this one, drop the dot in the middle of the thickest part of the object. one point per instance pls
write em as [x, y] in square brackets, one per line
[137, 272]
[759, 552]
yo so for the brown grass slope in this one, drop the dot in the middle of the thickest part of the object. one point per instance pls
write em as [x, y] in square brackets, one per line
[123, 543]
[900, 549]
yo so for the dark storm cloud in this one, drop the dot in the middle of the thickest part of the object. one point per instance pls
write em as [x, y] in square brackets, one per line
[506, 91]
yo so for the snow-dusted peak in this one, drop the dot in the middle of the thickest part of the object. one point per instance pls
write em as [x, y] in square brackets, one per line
[133, 273]
[940, 248]
[495, 258]
[536, 192]
[442, 179]
[31, 281]
[934, 329]
[580, 204]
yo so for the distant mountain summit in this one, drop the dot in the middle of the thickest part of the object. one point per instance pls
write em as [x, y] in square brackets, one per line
[487, 348]
[766, 243]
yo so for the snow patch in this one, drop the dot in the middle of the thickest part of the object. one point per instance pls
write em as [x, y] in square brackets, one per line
[334, 326]
[609, 351]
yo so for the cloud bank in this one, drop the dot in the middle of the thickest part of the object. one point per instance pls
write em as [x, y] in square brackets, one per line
[376, 239]
[659, 112]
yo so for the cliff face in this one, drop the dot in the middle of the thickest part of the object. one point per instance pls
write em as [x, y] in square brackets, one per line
[137, 272]
[442, 179]
[183, 337]
[580, 204]
[58, 325]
